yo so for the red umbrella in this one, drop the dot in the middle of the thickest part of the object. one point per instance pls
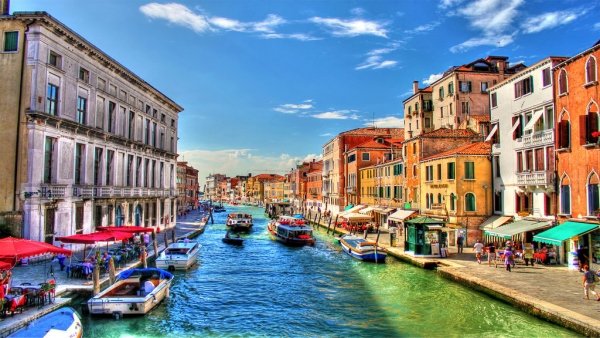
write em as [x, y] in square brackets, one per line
[5, 265]
[94, 237]
[13, 249]
[125, 229]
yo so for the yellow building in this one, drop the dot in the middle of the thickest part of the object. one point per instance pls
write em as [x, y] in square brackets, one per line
[456, 187]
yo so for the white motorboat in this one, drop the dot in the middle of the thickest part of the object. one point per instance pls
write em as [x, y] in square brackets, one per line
[180, 255]
[136, 292]
[64, 322]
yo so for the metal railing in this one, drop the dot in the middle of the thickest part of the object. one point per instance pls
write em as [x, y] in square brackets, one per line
[535, 178]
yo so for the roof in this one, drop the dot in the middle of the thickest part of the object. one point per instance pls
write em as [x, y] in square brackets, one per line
[481, 118]
[446, 132]
[472, 149]
[585, 52]
[268, 177]
[374, 131]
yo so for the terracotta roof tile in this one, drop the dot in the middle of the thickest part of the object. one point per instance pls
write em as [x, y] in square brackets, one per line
[446, 132]
[477, 148]
[481, 118]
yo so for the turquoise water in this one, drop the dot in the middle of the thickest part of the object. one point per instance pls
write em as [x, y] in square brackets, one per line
[265, 289]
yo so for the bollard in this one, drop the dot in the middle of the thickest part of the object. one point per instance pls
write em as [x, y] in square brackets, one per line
[328, 225]
[166, 239]
[335, 223]
[319, 221]
[111, 270]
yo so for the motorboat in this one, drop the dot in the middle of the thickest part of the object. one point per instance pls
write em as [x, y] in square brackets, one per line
[135, 292]
[64, 322]
[233, 239]
[239, 222]
[292, 231]
[218, 208]
[362, 249]
[180, 255]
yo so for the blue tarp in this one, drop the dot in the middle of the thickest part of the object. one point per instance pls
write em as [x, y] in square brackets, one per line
[145, 272]
[298, 216]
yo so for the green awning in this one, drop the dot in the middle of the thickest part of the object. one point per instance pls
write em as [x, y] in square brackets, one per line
[567, 230]
[425, 220]
[515, 228]
[348, 207]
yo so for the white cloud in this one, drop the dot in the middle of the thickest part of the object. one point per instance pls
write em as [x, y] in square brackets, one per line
[449, 3]
[375, 59]
[295, 36]
[351, 28]
[293, 108]
[406, 94]
[337, 115]
[268, 24]
[498, 41]
[232, 162]
[432, 78]
[597, 26]
[228, 24]
[326, 134]
[549, 20]
[423, 28]
[386, 122]
[177, 14]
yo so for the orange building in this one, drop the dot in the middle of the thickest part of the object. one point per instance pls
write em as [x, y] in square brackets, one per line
[314, 185]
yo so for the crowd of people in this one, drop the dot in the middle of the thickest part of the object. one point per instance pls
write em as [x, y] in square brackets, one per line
[509, 251]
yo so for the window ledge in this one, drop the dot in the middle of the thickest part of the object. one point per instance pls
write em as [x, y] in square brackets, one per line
[563, 94]
[564, 215]
[590, 145]
[562, 150]
[592, 217]
[468, 179]
[591, 83]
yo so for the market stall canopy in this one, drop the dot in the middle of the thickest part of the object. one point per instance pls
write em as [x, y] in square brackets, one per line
[428, 222]
[353, 209]
[94, 237]
[494, 222]
[366, 210]
[13, 249]
[400, 215]
[518, 227]
[384, 211]
[567, 230]
[356, 217]
[133, 229]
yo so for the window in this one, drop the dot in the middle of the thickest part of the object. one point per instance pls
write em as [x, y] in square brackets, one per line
[439, 198]
[414, 170]
[84, 75]
[110, 154]
[591, 125]
[49, 159]
[469, 170]
[498, 201]
[414, 146]
[524, 87]
[427, 105]
[562, 82]
[154, 112]
[593, 194]
[129, 171]
[451, 88]
[351, 158]
[55, 60]
[529, 160]
[409, 110]
[148, 109]
[590, 70]
[564, 134]
[131, 125]
[451, 170]
[138, 172]
[539, 160]
[519, 161]
[79, 153]
[465, 107]
[81, 110]
[565, 199]
[465, 86]
[450, 108]
[162, 118]
[484, 87]
[111, 116]
[173, 123]
[439, 172]
[162, 139]
[52, 99]
[546, 77]
[494, 100]
[497, 165]
[517, 123]
[97, 162]
[101, 84]
[452, 202]
[147, 133]
[100, 113]
[441, 93]
[470, 202]
[416, 107]
[429, 173]
[366, 157]
[11, 41]
[427, 122]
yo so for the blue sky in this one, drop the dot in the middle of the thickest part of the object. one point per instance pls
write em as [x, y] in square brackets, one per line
[265, 84]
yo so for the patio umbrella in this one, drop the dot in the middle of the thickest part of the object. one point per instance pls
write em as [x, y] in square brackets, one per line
[132, 229]
[13, 249]
[95, 237]
[5, 265]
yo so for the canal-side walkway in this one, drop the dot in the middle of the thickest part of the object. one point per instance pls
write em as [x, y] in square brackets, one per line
[37, 272]
[551, 292]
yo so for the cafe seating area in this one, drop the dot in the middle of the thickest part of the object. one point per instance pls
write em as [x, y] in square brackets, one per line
[27, 295]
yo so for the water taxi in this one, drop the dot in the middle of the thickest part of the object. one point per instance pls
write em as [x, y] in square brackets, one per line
[362, 249]
[291, 231]
[239, 222]
[136, 292]
[64, 322]
[180, 255]
[233, 239]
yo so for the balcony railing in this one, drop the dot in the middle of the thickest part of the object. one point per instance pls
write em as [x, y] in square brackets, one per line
[60, 191]
[541, 138]
[53, 191]
[351, 190]
[545, 178]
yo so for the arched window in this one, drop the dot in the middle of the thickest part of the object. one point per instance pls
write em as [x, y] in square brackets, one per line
[564, 131]
[470, 202]
[452, 202]
[593, 195]
[439, 200]
[591, 124]
[562, 82]
[590, 70]
[565, 196]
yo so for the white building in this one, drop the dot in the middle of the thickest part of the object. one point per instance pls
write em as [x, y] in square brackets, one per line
[100, 142]
[522, 134]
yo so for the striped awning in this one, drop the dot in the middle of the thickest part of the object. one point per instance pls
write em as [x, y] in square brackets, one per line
[400, 215]
[515, 228]
[366, 210]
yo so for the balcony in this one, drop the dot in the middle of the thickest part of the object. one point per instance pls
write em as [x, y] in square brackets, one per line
[53, 191]
[541, 138]
[536, 178]
[61, 191]
[351, 190]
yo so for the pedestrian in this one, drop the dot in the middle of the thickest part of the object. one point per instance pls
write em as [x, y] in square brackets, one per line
[528, 253]
[459, 242]
[478, 247]
[508, 258]
[582, 257]
[146, 239]
[491, 251]
[589, 283]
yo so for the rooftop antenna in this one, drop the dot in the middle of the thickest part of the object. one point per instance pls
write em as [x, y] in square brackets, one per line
[374, 126]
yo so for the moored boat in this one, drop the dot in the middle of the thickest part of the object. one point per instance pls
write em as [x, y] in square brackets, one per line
[237, 222]
[362, 249]
[64, 322]
[180, 255]
[291, 231]
[233, 239]
[218, 208]
[136, 292]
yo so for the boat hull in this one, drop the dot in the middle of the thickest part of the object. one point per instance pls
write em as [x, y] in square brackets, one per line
[233, 241]
[290, 241]
[368, 255]
[128, 305]
[167, 261]
[64, 322]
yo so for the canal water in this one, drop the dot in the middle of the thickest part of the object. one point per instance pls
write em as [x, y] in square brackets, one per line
[269, 290]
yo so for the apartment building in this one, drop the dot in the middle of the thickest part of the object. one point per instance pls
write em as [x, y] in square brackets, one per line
[418, 112]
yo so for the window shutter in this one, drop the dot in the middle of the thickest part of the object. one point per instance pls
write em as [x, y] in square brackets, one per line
[469, 83]
[583, 129]
[592, 126]
[531, 82]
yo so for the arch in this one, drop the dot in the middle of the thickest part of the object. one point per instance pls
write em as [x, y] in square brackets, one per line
[593, 177]
[470, 202]
[138, 215]
[452, 202]
[564, 130]
[592, 106]
[119, 216]
[564, 115]
[565, 195]
[591, 73]
[439, 198]
[563, 82]
[565, 179]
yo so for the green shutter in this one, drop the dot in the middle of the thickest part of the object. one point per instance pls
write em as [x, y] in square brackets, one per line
[531, 82]
[11, 40]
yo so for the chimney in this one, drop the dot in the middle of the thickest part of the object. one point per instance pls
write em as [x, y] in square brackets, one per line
[5, 7]
[415, 87]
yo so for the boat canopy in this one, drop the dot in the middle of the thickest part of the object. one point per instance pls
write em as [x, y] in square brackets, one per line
[145, 272]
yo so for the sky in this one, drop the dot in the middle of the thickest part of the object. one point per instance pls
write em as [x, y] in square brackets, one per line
[265, 84]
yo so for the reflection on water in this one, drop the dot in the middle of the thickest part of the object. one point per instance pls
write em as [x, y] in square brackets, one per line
[266, 289]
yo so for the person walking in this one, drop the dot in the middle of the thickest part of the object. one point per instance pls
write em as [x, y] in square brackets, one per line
[459, 242]
[528, 253]
[491, 250]
[478, 247]
[589, 283]
[508, 258]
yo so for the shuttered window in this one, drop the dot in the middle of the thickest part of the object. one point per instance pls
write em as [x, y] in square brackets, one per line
[469, 170]
[11, 41]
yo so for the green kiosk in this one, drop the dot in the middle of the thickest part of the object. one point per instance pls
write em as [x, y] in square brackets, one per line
[424, 237]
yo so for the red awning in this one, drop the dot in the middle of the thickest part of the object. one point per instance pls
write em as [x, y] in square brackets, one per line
[5, 265]
[13, 249]
[132, 229]
[94, 237]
